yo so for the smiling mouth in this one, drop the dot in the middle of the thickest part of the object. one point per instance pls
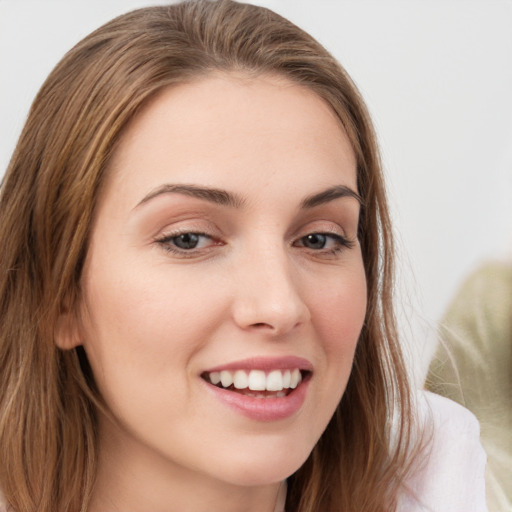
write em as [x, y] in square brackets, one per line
[258, 383]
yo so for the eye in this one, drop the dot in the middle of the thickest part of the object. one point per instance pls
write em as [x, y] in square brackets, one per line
[186, 242]
[315, 241]
[323, 242]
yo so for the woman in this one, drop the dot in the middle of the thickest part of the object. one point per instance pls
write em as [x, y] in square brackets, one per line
[197, 280]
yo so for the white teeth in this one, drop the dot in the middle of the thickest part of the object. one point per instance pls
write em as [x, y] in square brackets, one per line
[226, 378]
[287, 376]
[240, 380]
[275, 381]
[296, 378]
[258, 380]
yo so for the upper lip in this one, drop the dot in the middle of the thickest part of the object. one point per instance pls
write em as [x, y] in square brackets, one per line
[266, 364]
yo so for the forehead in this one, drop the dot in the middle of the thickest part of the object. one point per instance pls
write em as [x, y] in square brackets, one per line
[220, 127]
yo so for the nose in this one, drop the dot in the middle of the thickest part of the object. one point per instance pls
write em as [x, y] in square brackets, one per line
[267, 297]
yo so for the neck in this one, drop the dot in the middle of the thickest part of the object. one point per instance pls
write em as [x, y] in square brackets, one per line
[132, 478]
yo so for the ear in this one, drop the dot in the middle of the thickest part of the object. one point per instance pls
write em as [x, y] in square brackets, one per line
[67, 334]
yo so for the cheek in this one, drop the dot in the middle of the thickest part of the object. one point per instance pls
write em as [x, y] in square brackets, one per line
[338, 315]
[143, 332]
[142, 323]
[339, 311]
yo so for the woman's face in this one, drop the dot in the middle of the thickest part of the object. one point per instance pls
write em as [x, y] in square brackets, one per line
[225, 247]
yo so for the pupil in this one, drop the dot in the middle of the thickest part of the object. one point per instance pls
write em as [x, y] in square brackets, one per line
[315, 241]
[186, 241]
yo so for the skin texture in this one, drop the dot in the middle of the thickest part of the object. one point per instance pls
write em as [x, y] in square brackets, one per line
[152, 320]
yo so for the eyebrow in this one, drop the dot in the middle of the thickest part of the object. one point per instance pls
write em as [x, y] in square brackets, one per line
[225, 198]
[330, 195]
[213, 195]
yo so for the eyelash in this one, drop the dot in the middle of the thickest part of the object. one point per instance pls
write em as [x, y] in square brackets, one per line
[341, 243]
[165, 243]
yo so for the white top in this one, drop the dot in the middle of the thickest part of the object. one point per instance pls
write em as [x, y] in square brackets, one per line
[451, 478]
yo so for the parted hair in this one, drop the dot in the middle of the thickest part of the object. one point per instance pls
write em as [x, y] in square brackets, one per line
[48, 400]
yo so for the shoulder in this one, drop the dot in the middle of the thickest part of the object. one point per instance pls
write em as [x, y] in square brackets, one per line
[448, 423]
[451, 469]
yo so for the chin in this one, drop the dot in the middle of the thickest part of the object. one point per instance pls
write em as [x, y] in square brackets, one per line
[263, 468]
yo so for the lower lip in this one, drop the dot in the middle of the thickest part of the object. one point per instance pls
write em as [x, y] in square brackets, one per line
[263, 409]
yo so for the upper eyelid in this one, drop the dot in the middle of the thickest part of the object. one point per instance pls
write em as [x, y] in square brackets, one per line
[169, 233]
[320, 226]
[198, 222]
[197, 226]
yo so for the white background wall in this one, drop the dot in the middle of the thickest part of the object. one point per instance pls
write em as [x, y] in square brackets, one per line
[437, 76]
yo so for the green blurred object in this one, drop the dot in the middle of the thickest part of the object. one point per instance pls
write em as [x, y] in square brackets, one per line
[473, 366]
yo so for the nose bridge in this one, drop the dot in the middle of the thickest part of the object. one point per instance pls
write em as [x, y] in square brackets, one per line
[268, 295]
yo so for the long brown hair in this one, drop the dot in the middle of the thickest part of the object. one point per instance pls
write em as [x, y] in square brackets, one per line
[48, 403]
